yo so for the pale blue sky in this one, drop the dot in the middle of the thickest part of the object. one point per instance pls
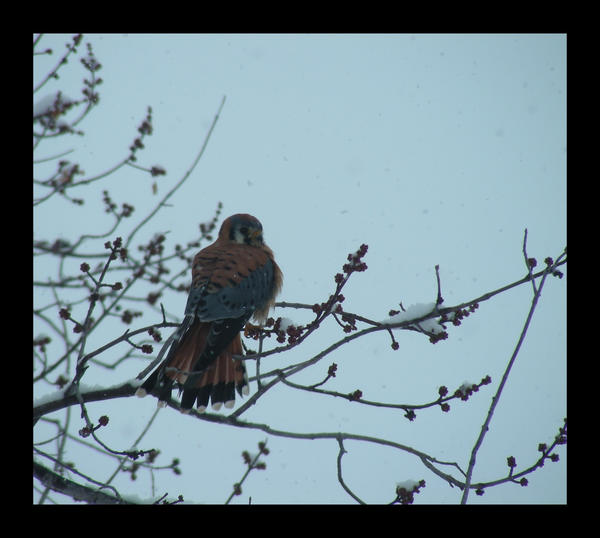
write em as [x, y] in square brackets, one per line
[432, 149]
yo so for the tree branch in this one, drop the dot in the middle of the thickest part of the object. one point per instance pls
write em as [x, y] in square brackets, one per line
[486, 424]
[76, 491]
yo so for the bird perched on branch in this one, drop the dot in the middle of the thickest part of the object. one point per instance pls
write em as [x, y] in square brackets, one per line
[233, 279]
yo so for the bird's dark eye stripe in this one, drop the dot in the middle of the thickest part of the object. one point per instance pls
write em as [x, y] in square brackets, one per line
[244, 230]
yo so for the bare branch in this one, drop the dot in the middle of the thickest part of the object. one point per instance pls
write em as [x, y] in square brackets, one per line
[162, 202]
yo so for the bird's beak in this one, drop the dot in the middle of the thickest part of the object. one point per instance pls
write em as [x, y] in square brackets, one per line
[255, 234]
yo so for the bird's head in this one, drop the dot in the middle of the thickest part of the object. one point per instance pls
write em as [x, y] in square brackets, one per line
[242, 228]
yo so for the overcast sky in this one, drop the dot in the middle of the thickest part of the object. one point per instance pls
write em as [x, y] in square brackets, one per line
[431, 149]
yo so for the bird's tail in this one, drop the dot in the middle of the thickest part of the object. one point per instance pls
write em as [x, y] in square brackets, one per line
[217, 382]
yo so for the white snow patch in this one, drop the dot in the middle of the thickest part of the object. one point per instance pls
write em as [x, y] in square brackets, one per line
[285, 323]
[417, 311]
[50, 397]
[408, 485]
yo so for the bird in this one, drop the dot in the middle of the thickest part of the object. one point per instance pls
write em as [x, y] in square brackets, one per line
[233, 280]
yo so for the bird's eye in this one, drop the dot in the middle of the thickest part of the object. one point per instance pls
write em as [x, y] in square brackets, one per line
[244, 230]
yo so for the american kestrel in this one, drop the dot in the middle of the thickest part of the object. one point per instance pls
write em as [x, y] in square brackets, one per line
[233, 279]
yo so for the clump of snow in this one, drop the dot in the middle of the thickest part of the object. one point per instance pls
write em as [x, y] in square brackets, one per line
[408, 485]
[417, 311]
[285, 323]
[50, 397]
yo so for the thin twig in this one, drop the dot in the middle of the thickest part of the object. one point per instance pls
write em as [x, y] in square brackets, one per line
[528, 263]
[341, 453]
[125, 459]
[161, 204]
[439, 299]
